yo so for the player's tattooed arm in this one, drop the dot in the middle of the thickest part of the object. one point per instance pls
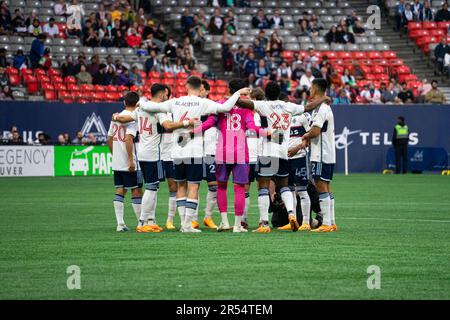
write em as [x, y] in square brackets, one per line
[317, 102]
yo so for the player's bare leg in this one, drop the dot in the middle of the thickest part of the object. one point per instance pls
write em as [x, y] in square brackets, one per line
[118, 209]
[263, 204]
[325, 206]
[172, 205]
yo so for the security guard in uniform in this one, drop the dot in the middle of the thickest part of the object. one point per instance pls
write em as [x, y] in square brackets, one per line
[400, 142]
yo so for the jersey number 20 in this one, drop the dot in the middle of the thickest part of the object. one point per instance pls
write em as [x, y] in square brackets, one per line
[119, 132]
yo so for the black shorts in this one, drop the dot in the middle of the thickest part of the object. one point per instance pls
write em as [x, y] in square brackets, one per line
[322, 171]
[126, 179]
[152, 171]
[253, 172]
[168, 169]
[209, 168]
[190, 169]
[298, 172]
[273, 167]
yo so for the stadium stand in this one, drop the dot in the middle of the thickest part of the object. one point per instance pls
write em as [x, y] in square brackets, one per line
[117, 63]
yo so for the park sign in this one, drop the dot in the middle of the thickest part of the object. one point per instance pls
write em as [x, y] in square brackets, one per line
[82, 161]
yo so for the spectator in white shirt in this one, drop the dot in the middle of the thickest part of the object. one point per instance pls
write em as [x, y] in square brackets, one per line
[371, 95]
[51, 29]
[60, 8]
[276, 21]
[75, 13]
[306, 81]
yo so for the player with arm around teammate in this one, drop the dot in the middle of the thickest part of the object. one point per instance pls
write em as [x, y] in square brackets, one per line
[321, 139]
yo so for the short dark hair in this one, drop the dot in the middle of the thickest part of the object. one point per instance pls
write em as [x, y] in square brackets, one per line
[401, 118]
[157, 88]
[434, 81]
[131, 99]
[169, 92]
[236, 85]
[194, 81]
[284, 97]
[321, 84]
[272, 90]
[206, 85]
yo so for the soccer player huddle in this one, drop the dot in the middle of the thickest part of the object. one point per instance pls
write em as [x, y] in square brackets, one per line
[252, 135]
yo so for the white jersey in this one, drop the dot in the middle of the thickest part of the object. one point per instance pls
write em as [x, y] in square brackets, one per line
[279, 115]
[149, 134]
[210, 141]
[253, 142]
[119, 131]
[299, 126]
[186, 108]
[323, 147]
[166, 143]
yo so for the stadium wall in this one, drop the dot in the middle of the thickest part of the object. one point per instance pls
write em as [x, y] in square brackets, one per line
[365, 130]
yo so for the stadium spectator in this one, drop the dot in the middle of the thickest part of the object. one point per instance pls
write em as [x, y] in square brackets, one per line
[51, 29]
[227, 58]
[408, 15]
[170, 50]
[37, 50]
[135, 76]
[69, 68]
[83, 77]
[166, 65]
[400, 141]
[358, 29]
[178, 66]
[101, 76]
[406, 95]
[435, 95]
[43, 139]
[91, 40]
[427, 13]
[342, 98]
[351, 92]
[440, 51]
[151, 63]
[416, 8]
[333, 36]
[297, 72]
[216, 23]
[46, 61]
[276, 22]
[250, 64]
[186, 21]
[389, 94]
[370, 94]
[61, 140]
[35, 28]
[306, 81]
[190, 64]
[261, 72]
[443, 14]
[260, 21]
[229, 26]
[352, 19]
[19, 60]
[284, 70]
[302, 29]
[60, 8]
[16, 139]
[263, 41]
[423, 89]
[78, 140]
[134, 39]
[18, 23]
[348, 78]
[91, 140]
[4, 81]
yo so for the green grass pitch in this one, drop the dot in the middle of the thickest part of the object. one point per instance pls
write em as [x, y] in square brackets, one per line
[399, 223]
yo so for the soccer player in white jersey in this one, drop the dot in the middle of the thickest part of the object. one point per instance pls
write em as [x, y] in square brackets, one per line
[298, 168]
[323, 154]
[150, 129]
[209, 170]
[273, 161]
[187, 151]
[124, 161]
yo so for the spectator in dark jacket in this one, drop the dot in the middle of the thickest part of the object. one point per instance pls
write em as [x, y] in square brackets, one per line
[333, 36]
[19, 60]
[101, 77]
[427, 13]
[443, 14]
[440, 51]
[186, 21]
[217, 23]
[250, 64]
[37, 50]
[260, 20]
[276, 21]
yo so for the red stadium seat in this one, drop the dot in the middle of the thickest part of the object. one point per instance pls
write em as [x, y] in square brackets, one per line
[39, 71]
[42, 78]
[60, 86]
[389, 55]
[53, 72]
[57, 79]
[11, 70]
[443, 25]
[168, 76]
[122, 89]
[374, 55]
[345, 55]
[14, 80]
[429, 25]
[50, 95]
[73, 87]
[358, 55]
[111, 88]
[182, 76]
[414, 25]
[47, 86]
[87, 87]
[437, 33]
[70, 79]
[98, 88]
[413, 35]
[197, 74]
[135, 88]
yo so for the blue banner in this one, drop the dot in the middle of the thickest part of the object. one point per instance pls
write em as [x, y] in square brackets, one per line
[421, 159]
[365, 130]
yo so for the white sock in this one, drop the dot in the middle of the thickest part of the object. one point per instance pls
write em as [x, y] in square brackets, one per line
[191, 208]
[136, 203]
[148, 202]
[305, 202]
[195, 216]
[263, 204]
[181, 205]
[118, 209]
[247, 206]
[333, 220]
[211, 201]
[224, 216]
[286, 195]
[172, 206]
[237, 221]
[325, 204]
[294, 198]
